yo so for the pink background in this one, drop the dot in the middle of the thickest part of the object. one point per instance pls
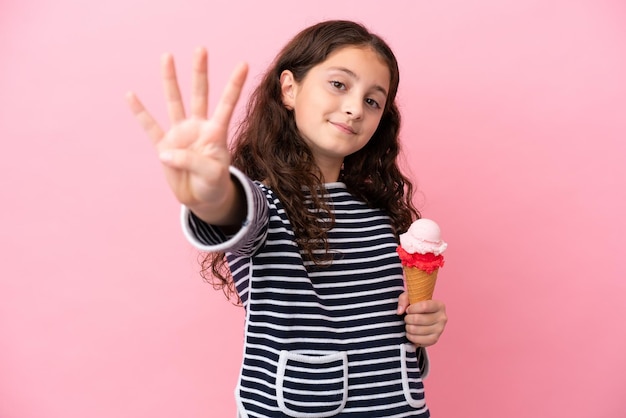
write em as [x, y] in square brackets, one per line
[515, 124]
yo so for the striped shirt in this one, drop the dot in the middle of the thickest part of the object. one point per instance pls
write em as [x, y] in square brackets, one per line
[320, 341]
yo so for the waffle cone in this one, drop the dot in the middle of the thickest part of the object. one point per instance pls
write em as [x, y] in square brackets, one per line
[419, 284]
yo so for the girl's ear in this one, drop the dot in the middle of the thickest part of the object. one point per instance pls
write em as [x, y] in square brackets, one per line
[287, 88]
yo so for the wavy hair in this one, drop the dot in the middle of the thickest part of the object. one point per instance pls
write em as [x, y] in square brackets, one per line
[268, 147]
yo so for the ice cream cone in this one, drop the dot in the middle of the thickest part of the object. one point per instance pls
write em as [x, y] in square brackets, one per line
[419, 284]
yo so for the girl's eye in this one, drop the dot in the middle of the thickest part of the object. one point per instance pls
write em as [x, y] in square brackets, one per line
[373, 103]
[338, 85]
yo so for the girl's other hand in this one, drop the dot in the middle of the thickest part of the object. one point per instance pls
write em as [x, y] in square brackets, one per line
[194, 151]
[425, 321]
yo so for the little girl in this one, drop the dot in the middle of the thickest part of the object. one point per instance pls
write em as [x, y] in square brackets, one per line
[300, 221]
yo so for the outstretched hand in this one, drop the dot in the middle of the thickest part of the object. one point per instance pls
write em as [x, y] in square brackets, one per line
[425, 321]
[194, 151]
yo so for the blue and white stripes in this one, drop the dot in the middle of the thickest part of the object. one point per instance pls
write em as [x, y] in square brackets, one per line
[320, 340]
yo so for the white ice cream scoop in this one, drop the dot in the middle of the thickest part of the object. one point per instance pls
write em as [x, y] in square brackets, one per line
[423, 236]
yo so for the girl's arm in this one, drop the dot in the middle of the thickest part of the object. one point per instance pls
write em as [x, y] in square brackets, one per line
[244, 240]
[194, 151]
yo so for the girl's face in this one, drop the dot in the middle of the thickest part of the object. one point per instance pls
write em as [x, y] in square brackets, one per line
[338, 104]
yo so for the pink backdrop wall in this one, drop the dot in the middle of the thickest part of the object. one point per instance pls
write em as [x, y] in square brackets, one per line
[515, 121]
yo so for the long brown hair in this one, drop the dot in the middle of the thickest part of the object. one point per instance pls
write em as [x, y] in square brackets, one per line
[268, 147]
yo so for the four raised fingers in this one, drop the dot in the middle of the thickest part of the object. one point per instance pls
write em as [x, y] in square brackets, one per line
[199, 98]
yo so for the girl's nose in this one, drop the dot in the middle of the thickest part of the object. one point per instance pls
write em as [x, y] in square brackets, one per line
[353, 106]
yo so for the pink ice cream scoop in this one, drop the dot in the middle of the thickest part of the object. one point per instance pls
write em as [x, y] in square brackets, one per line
[423, 236]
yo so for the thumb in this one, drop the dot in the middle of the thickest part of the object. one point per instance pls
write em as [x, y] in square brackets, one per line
[403, 303]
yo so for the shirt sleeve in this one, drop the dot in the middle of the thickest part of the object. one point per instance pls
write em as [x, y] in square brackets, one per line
[247, 239]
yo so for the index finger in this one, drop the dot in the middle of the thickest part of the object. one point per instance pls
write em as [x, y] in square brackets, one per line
[226, 105]
[425, 307]
[145, 119]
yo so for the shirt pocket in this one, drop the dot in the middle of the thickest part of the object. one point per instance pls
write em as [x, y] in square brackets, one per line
[312, 386]
[412, 384]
